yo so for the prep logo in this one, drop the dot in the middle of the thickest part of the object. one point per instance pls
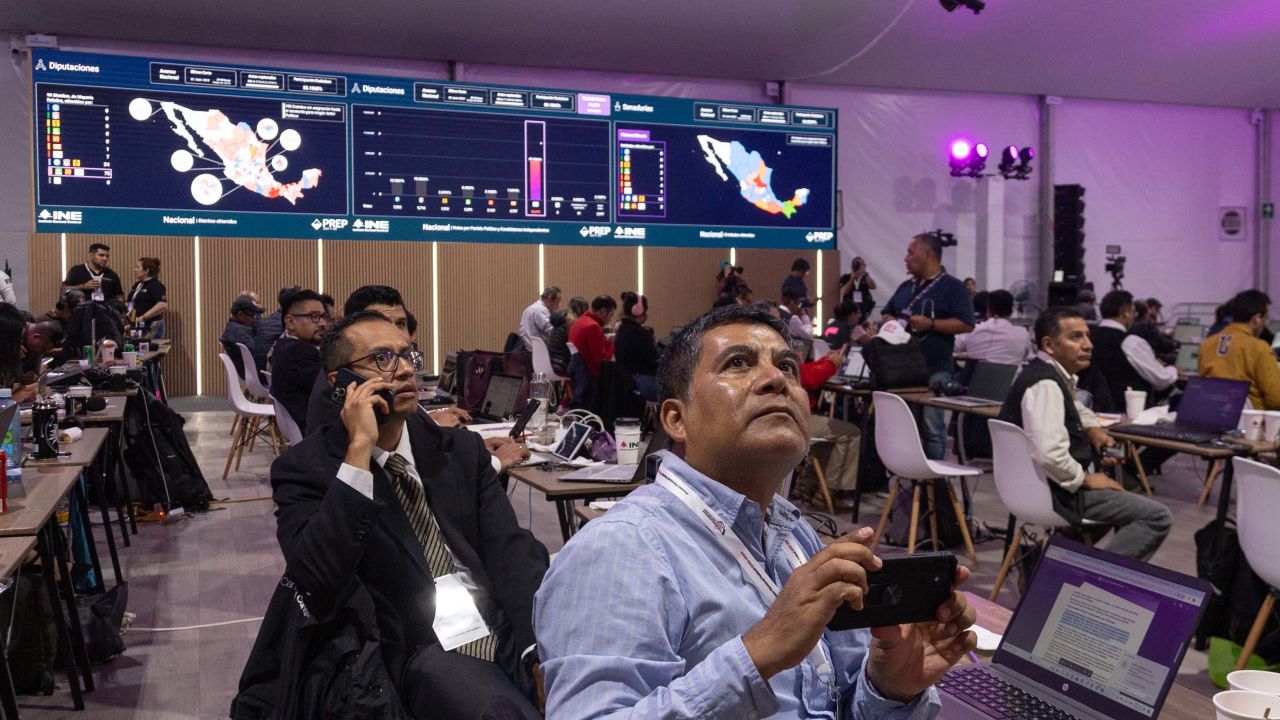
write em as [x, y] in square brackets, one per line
[818, 236]
[61, 217]
[595, 231]
[371, 226]
[329, 224]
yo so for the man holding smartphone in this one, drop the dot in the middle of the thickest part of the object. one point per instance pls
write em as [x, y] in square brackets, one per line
[705, 594]
[415, 514]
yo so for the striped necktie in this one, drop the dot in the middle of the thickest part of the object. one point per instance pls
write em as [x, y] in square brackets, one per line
[439, 561]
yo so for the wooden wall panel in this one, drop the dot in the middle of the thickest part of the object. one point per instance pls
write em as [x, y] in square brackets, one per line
[45, 260]
[680, 283]
[827, 287]
[405, 266]
[483, 290]
[229, 265]
[764, 270]
[590, 271]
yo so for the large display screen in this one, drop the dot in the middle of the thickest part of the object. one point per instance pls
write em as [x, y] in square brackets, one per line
[138, 145]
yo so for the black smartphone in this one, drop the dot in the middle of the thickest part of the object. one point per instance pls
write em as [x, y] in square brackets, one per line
[529, 409]
[905, 590]
[345, 377]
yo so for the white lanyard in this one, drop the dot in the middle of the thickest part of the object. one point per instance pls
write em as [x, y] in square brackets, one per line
[91, 275]
[752, 570]
[924, 290]
[133, 298]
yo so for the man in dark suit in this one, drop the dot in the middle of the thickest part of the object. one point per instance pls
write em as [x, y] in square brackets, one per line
[295, 358]
[414, 513]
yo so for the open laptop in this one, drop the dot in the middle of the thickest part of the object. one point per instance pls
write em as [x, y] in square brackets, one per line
[1209, 408]
[854, 369]
[1189, 358]
[500, 398]
[1096, 636]
[624, 474]
[1187, 332]
[989, 385]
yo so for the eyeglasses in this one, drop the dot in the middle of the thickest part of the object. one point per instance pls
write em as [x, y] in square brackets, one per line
[314, 317]
[387, 361]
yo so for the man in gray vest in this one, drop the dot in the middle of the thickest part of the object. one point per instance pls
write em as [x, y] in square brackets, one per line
[1066, 438]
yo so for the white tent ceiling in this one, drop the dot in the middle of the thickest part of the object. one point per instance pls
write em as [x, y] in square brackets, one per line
[1222, 53]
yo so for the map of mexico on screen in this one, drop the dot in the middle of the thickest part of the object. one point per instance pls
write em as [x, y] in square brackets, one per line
[136, 145]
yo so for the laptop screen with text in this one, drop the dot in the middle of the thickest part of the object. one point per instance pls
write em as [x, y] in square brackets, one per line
[1106, 630]
[501, 395]
[1213, 403]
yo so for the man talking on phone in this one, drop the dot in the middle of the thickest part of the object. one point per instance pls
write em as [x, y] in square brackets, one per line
[705, 594]
[414, 513]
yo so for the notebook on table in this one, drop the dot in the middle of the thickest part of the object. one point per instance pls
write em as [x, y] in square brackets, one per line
[500, 398]
[1096, 636]
[989, 386]
[1209, 408]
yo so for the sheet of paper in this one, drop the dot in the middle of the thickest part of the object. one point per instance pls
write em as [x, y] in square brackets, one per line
[458, 620]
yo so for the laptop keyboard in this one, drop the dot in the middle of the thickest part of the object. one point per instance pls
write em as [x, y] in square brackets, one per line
[1167, 432]
[997, 698]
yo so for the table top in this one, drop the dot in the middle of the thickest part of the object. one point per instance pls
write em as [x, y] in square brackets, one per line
[156, 351]
[112, 413]
[13, 550]
[1182, 703]
[927, 398]
[548, 483]
[82, 452]
[42, 489]
[1257, 446]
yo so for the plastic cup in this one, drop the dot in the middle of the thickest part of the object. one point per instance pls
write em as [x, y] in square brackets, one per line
[1243, 705]
[626, 432]
[130, 358]
[1135, 401]
[1262, 681]
[1270, 425]
[1251, 422]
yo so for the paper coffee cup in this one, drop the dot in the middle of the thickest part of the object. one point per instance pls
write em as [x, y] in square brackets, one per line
[626, 432]
[1262, 681]
[1242, 705]
[1135, 401]
[1270, 425]
[1251, 422]
[130, 358]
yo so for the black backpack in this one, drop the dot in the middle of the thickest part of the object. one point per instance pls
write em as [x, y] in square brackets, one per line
[159, 458]
[897, 531]
[1238, 592]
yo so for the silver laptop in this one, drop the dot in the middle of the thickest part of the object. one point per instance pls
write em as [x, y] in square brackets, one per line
[989, 386]
[854, 368]
[500, 398]
[1097, 636]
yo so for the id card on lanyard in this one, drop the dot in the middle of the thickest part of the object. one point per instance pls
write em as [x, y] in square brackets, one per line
[752, 571]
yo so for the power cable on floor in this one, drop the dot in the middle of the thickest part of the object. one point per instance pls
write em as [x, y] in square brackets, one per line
[135, 628]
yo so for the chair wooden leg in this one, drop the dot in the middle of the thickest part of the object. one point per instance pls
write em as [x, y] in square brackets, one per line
[822, 484]
[933, 514]
[235, 442]
[915, 517]
[1137, 462]
[1214, 468]
[884, 515]
[964, 524]
[255, 426]
[246, 439]
[1255, 632]
[1008, 563]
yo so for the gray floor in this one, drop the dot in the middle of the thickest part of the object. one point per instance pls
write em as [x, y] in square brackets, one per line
[220, 567]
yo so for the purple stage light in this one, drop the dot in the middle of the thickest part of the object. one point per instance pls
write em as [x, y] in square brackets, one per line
[1027, 155]
[960, 149]
[980, 150]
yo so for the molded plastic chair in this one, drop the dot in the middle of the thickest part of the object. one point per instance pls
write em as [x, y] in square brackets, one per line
[252, 381]
[542, 361]
[899, 446]
[1257, 505]
[821, 348]
[284, 421]
[249, 415]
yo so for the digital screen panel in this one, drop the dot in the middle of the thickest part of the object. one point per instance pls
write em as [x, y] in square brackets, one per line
[134, 145]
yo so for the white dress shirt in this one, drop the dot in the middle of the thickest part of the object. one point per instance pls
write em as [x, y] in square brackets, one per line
[1045, 423]
[6, 290]
[535, 321]
[1143, 359]
[996, 340]
[800, 326]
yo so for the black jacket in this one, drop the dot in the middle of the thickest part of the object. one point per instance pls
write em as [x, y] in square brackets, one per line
[334, 539]
[294, 366]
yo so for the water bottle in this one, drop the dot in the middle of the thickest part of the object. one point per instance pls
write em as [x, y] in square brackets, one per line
[12, 444]
[539, 389]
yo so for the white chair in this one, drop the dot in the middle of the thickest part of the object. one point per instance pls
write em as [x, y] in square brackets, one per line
[1257, 504]
[284, 421]
[898, 442]
[1022, 487]
[251, 381]
[250, 416]
[821, 348]
[542, 361]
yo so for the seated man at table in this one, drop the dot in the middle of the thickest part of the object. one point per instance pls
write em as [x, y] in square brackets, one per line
[1236, 353]
[295, 358]
[1066, 436]
[1123, 358]
[403, 508]
[669, 606]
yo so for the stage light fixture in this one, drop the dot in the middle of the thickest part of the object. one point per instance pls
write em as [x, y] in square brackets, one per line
[1008, 160]
[975, 5]
[961, 150]
[1024, 162]
[978, 162]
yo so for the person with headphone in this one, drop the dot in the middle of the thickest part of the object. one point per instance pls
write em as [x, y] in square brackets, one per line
[633, 346]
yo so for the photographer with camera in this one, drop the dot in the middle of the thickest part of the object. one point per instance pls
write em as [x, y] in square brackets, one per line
[856, 287]
[729, 279]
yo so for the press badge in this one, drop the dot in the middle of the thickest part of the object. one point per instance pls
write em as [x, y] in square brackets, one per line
[458, 620]
[98, 296]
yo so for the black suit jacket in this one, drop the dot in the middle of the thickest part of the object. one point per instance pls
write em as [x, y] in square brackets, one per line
[294, 366]
[332, 536]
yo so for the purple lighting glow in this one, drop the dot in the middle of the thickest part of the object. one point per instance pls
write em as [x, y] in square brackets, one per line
[980, 150]
[960, 149]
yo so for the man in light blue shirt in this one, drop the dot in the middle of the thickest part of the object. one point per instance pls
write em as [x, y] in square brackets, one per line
[650, 613]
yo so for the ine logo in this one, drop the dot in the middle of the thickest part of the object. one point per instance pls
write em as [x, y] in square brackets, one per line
[329, 224]
[61, 217]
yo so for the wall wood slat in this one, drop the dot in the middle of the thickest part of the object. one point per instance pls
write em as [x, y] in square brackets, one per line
[765, 269]
[483, 290]
[405, 266]
[45, 258]
[229, 265]
[680, 284]
[590, 271]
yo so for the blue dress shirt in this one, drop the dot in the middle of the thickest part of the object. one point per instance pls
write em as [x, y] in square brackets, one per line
[642, 616]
